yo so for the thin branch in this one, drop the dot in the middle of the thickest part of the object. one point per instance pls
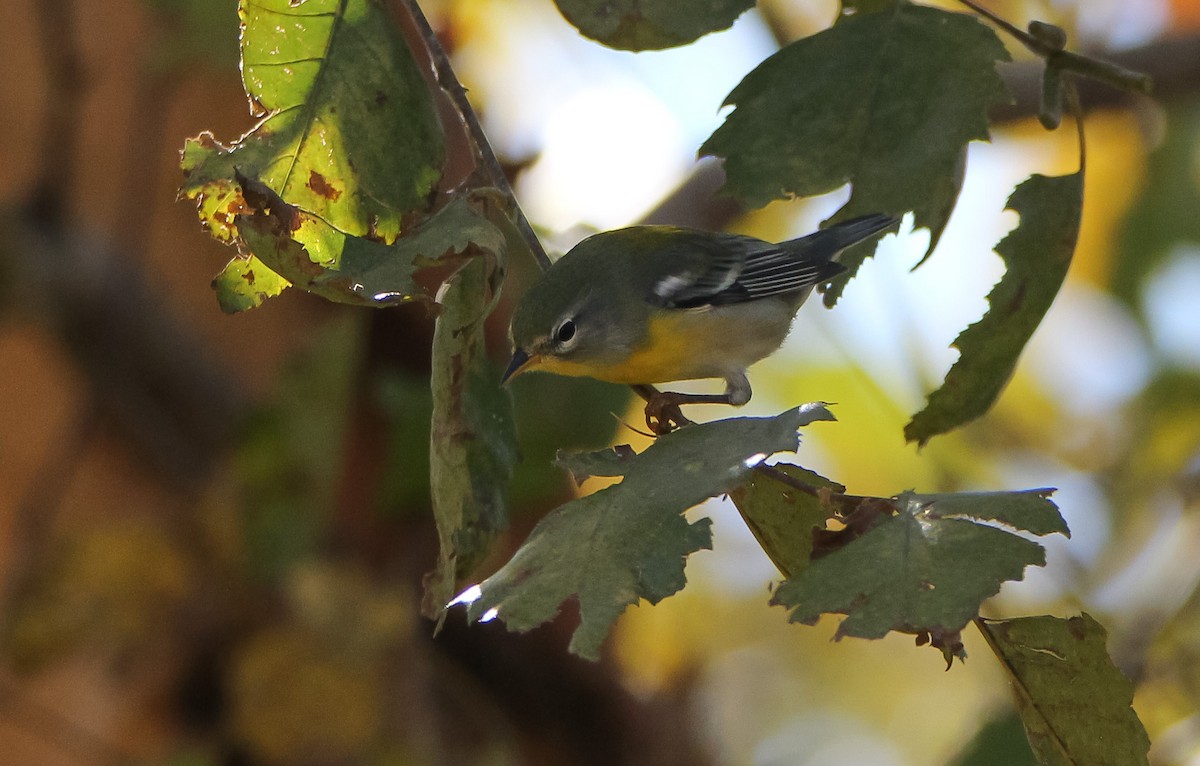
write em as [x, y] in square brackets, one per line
[491, 165]
[1048, 42]
[841, 498]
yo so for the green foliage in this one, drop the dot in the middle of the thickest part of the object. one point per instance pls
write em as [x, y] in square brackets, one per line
[639, 25]
[339, 191]
[884, 101]
[1037, 254]
[472, 437]
[346, 159]
[1073, 701]
[925, 569]
[629, 541]
[245, 283]
[783, 518]
[349, 131]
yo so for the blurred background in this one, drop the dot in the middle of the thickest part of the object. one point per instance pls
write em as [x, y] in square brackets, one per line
[213, 529]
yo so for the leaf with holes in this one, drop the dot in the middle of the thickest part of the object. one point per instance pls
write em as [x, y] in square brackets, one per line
[1074, 703]
[926, 569]
[349, 130]
[629, 541]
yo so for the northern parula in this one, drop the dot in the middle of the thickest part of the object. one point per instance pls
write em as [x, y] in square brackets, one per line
[652, 304]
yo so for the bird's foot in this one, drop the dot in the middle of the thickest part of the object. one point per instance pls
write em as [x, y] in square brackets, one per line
[663, 414]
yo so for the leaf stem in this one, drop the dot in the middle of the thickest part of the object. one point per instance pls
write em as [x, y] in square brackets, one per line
[841, 498]
[1020, 689]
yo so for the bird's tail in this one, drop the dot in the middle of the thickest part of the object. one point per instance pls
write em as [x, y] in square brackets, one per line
[828, 244]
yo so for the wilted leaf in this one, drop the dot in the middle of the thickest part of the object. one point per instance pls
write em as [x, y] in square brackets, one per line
[318, 258]
[629, 541]
[473, 438]
[639, 25]
[1036, 254]
[927, 569]
[885, 101]
[349, 134]
[1073, 701]
[782, 518]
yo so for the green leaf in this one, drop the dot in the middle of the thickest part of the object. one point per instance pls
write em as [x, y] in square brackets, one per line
[315, 257]
[1075, 704]
[782, 518]
[639, 25]
[472, 436]
[1036, 256]
[885, 101]
[926, 569]
[629, 541]
[245, 283]
[349, 133]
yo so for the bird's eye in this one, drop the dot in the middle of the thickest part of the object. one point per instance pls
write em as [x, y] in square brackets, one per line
[565, 332]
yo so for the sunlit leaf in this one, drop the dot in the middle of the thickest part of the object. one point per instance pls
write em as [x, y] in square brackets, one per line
[782, 518]
[1036, 255]
[884, 101]
[629, 541]
[316, 257]
[1073, 701]
[349, 133]
[245, 283]
[639, 25]
[473, 438]
[926, 569]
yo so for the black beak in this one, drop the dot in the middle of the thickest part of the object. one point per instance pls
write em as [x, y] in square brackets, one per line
[520, 358]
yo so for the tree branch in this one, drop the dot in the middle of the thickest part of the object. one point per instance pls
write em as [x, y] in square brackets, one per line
[448, 81]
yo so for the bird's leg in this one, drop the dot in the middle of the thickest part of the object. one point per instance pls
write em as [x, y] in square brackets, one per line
[663, 414]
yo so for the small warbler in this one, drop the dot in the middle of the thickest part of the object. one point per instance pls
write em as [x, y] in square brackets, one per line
[652, 304]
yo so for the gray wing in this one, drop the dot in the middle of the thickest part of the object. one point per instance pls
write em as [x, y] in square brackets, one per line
[723, 269]
[729, 268]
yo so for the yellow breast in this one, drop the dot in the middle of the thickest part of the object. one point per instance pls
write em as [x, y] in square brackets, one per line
[686, 345]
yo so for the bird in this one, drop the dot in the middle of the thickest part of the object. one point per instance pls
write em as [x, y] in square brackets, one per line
[647, 305]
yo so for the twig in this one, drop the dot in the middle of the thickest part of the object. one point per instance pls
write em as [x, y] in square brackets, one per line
[841, 498]
[491, 165]
[1048, 42]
